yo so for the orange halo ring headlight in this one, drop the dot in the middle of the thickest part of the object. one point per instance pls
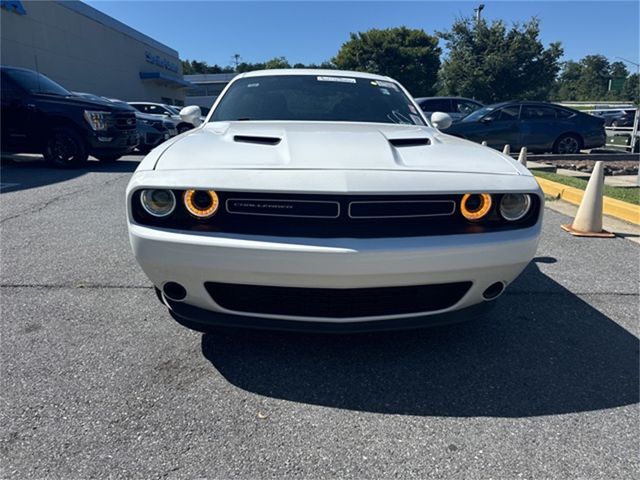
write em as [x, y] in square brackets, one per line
[201, 203]
[475, 206]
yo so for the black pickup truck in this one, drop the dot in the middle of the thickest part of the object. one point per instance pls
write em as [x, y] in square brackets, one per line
[40, 116]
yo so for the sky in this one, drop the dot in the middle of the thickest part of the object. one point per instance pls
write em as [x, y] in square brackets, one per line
[311, 32]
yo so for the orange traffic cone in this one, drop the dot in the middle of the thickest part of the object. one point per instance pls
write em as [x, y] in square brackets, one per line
[588, 221]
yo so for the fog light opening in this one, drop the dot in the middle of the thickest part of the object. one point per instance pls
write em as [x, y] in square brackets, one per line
[494, 291]
[174, 291]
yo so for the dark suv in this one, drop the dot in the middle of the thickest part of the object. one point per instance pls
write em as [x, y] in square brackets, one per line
[40, 116]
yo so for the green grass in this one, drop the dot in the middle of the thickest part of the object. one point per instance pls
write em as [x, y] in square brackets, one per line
[627, 194]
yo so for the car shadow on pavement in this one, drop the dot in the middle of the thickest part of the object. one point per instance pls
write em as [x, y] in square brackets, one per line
[541, 351]
[19, 172]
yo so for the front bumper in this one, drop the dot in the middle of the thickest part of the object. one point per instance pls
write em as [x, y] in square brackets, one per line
[192, 260]
[113, 142]
[199, 317]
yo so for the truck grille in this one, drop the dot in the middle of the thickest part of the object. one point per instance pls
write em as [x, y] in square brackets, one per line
[125, 121]
[337, 302]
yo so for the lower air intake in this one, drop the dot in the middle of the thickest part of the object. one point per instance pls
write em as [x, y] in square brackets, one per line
[336, 302]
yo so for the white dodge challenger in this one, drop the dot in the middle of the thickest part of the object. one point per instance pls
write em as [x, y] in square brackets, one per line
[326, 200]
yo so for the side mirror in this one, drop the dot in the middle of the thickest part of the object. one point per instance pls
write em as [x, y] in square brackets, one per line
[191, 114]
[441, 120]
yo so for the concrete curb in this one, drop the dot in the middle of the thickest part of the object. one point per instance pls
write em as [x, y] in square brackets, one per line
[612, 207]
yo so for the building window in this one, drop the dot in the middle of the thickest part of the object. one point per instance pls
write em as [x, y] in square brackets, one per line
[166, 100]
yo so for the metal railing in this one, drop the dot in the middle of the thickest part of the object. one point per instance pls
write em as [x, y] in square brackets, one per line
[612, 131]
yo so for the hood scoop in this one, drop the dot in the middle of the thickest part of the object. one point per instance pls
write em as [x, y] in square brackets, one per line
[257, 140]
[409, 142]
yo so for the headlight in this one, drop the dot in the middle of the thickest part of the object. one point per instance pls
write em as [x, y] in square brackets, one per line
[158, 203]
[201, 203]
[514, 206]
[97, 120]
[475, 206]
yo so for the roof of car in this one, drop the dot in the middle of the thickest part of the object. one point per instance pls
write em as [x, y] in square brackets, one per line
[9, 67]
[312, 71]
[526, 102]
[419, 99]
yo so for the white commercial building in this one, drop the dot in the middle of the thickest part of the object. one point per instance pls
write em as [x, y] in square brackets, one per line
[87, 51]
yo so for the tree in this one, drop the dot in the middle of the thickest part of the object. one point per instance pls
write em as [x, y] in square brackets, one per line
[492, 63]
[410, 56]
[594, 80]
[195, 67]
[566, 88]
[631, 89]
[277, 62]
[589, 80]
[618, 70]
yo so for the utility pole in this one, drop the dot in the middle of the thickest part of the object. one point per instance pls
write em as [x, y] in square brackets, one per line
[236, 60]
[478, 12]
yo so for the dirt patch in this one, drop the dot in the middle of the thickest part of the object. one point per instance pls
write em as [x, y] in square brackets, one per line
[611, 167]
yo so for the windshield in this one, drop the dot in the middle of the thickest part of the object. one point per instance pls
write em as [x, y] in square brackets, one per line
[173, 109]
[36, 82]
[316, 98]
[478, 114]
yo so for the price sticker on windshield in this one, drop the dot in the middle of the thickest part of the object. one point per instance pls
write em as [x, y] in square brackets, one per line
[337, 79]
[387, 84]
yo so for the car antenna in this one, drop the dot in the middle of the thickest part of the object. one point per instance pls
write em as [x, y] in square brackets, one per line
[37, 73]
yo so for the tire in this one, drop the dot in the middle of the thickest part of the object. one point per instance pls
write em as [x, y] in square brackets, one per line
[567, 144]
[65, 148]
[108, 158]
[183, 127]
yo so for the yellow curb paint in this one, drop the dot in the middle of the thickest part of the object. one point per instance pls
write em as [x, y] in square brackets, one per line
[612, 207]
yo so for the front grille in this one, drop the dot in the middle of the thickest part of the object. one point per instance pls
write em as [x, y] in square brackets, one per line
[274, 207]
[336, 302]
[335, 216]
[125, 121]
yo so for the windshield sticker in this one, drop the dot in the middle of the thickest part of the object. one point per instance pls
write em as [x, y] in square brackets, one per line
[385, 91]
[253, 85]
[412, 109]
[380, 83]
[337, 79]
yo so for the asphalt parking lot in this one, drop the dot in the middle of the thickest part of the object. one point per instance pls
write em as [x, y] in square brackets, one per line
[99, 382]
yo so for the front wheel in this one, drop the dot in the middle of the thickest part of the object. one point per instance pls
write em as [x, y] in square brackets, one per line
[108, 158]
[65, 148]
[567, 144]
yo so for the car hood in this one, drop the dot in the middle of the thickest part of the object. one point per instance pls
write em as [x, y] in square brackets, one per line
[329, 146]
[82, 102]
